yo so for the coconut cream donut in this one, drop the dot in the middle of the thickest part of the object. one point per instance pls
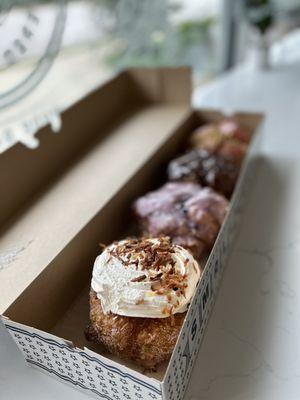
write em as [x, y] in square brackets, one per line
[140, 292]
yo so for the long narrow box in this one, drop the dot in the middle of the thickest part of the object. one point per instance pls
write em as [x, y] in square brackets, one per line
[48, 318]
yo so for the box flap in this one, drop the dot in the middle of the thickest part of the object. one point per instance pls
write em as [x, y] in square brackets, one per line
[53, 191]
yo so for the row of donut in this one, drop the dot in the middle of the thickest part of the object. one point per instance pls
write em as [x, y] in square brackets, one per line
[141, 287]
[191, 207]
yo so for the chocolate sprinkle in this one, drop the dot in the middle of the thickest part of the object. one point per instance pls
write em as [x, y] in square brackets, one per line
[139, 278]
[153, 255]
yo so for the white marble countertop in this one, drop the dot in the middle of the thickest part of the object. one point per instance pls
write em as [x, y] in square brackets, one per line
[251, 350]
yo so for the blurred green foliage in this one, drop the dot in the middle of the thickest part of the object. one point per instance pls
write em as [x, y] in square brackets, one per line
[193, 32]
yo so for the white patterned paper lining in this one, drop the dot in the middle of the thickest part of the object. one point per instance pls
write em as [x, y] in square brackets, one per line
[80, 369]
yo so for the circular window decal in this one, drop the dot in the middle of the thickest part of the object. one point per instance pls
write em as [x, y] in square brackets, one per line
[32, 37]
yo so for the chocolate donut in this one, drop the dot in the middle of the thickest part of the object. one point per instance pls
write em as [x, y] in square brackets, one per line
[205, 168]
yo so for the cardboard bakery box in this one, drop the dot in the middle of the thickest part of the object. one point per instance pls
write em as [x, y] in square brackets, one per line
[47, 320]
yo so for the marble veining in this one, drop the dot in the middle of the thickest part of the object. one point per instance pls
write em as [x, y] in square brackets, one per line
[251, 349]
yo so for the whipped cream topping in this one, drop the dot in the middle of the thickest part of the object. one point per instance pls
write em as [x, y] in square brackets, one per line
[149, 278]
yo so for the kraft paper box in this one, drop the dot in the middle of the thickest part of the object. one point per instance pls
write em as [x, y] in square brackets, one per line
[50, 310]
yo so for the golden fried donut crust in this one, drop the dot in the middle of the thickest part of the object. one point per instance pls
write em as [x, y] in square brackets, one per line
[147, 341]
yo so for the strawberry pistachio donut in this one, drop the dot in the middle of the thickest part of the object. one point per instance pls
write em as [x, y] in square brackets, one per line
[140, 292]
[227, 138]
[189, 214]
